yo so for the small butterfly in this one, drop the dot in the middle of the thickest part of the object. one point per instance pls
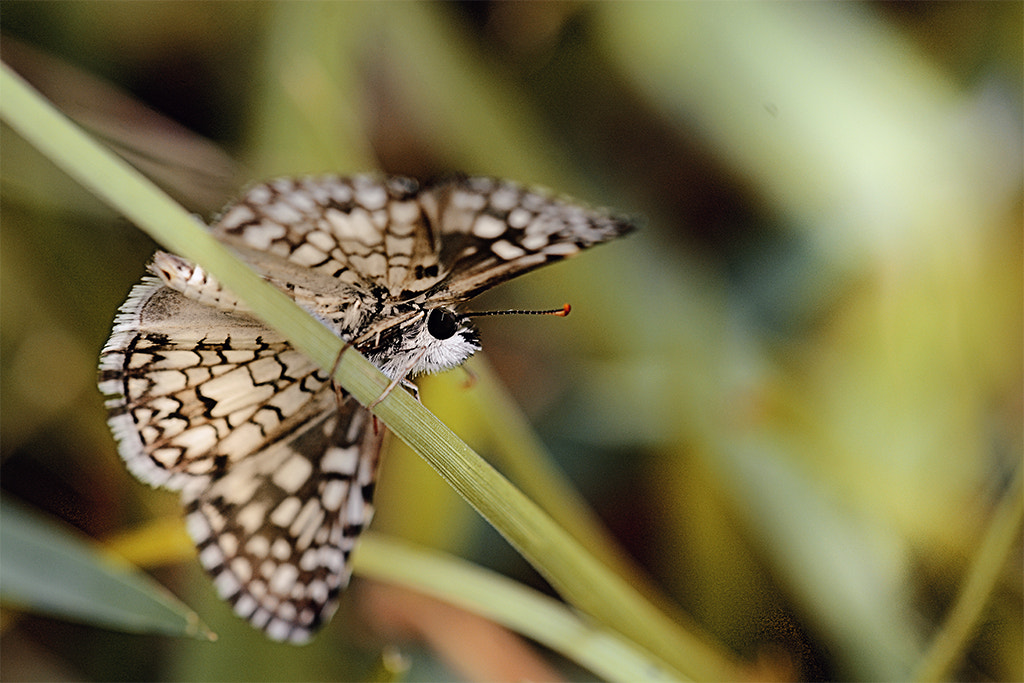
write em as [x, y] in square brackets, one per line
[276, 473]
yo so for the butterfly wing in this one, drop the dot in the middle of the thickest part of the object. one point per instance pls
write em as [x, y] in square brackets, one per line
[360, 230]
[492, 230]
[193, 390]
[450, 240]
[276, 530]
[277, 478]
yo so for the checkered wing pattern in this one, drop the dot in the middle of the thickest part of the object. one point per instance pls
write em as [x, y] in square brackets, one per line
[450, 240]
[276, 469]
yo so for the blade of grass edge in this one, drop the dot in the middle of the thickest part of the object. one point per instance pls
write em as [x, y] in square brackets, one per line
[452, 580]
[571, 570]
[49, 569]
[519, 453]
[505, 602]
[954, 636]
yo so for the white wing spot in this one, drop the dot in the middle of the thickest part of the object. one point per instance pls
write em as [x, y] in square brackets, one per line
[313, 525]
[242, 568]
[229, 544]
[310, 560]
[283, 213]
[506, 250]
[321, 240]
[267, 568]
[318, 591]
[371, 196]
[360, 228]
[282, 550]
[211, 556]
[534, 242]
[340, 460]
[287, 610]
[197, 440]
[311, 507]
[227, 585]
[258, 588]
[278, 629]
[284, 513]
[260, 236]
[333, 494]
[332, 558]
[237, 215]
[308, 255]
[561, 249]
[504, 199]
[251, 516]
[470, 201]
[293, 473]
[283, 579]
[374, 266]
[258, 546]
[245, 605]
[488, 227]
[403, 215]
[260, 618]
[301, 200]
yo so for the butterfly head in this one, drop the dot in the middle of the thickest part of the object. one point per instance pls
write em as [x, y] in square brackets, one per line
[436, 340]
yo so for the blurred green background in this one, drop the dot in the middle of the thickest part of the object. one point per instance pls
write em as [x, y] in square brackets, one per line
[794, 397]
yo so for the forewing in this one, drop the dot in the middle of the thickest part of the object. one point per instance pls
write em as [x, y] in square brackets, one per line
[453, 239]
[491, 230]
[361, 230]
[193, 390]
[276, 530]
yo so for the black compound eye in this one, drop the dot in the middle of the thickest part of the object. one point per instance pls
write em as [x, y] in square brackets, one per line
[442, 324]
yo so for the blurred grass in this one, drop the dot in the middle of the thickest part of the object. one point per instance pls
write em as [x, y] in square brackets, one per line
[796, 397]
[50, 570]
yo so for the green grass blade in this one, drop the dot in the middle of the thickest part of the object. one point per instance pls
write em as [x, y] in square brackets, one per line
[54, 571]
[509, 603]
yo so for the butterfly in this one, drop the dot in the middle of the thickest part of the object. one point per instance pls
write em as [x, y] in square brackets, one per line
[276, 472]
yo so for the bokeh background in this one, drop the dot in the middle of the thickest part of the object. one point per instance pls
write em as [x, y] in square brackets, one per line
[794, 397]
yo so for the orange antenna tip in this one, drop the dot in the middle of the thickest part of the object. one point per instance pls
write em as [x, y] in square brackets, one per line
[560, 312]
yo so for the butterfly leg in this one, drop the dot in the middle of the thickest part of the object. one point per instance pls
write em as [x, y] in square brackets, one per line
[341, 396]
[400, 378]
[413, 389]
[471, 378]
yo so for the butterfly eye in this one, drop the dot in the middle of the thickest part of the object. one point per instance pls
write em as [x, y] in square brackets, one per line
[442, 324]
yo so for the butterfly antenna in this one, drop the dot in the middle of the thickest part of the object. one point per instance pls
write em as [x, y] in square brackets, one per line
[560, 312]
